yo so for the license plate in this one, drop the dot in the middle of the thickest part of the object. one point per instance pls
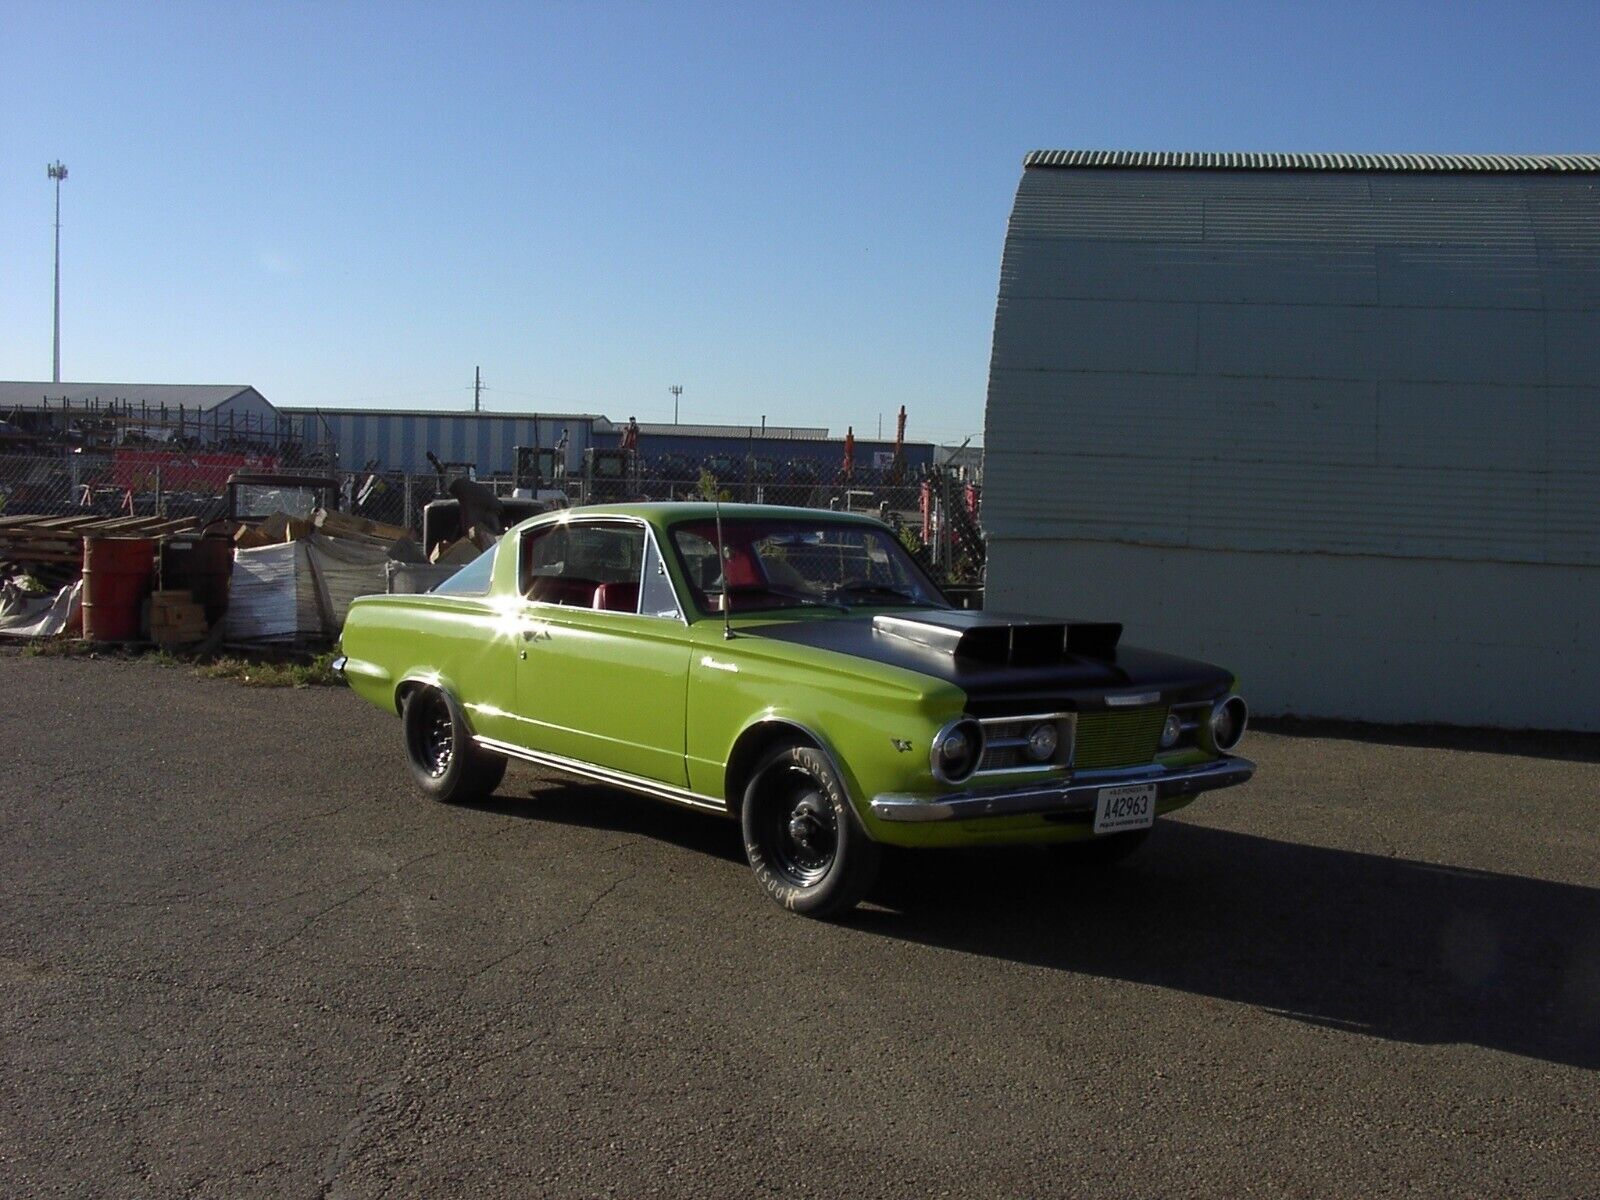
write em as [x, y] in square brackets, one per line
[1132, 806]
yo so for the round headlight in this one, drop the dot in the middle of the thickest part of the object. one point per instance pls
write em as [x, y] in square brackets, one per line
[1042, 742]
[1171, 731]
[956, 750]
[1228, 719]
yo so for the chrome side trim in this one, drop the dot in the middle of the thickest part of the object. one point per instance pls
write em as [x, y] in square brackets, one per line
[1073, 798]
[621, 779]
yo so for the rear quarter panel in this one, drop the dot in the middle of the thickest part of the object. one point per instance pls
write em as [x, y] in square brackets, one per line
[463, 644]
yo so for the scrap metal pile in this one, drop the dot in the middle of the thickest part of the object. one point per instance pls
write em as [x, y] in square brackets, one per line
[176, 582]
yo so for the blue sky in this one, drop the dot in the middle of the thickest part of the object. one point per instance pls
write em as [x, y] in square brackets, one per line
[792, 210]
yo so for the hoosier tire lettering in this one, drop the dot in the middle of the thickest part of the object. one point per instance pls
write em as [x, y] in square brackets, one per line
[802, 838]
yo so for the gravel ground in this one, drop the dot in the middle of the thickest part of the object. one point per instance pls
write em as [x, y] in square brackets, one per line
[239, 957]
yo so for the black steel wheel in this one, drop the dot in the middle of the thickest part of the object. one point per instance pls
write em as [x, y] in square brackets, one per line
[801, 836]
[445, 762]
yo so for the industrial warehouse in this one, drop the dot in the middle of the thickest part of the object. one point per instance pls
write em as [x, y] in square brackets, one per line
[1333, 419]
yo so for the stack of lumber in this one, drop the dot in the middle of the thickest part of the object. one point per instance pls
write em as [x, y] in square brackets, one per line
[357, 529]
[175, 618]
[59, 540]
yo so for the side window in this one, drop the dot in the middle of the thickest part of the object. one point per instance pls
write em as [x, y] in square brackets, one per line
[584, 565]
[656, 597]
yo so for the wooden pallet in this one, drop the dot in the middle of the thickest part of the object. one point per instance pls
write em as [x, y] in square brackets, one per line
[36, 539]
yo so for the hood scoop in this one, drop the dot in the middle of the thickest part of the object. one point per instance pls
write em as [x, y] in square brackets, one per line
[999, 638]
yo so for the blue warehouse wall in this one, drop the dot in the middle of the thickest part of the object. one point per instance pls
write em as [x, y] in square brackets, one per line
[400, 441]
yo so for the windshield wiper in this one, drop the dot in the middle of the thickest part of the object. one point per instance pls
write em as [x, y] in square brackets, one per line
[862, 588]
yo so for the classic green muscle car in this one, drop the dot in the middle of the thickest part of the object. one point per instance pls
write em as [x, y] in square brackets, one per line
[794, 669]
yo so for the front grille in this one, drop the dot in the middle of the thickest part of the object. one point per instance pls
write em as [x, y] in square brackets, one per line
[1004, 741]
[1118, 737]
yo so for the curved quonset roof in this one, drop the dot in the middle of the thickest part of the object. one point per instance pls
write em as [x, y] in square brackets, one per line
[1313, 162]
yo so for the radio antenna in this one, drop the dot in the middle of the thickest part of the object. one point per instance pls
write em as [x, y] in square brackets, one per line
[722, 567]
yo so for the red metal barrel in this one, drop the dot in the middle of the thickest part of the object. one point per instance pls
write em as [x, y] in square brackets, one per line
[117, 573]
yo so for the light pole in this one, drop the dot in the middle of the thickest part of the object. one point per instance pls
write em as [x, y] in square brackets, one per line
[676, 390]
[57, 171]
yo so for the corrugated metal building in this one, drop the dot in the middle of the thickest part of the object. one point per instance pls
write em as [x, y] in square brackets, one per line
[774, 444]
[1333, 420]
[207, 404]
[398, 439]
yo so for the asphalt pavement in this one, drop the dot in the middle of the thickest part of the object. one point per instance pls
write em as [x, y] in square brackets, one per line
[240, 957]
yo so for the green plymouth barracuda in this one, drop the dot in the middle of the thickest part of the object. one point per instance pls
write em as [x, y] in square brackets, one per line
[796, 670]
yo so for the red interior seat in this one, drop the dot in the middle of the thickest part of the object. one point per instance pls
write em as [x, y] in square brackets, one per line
[617, 597]
[562, 589]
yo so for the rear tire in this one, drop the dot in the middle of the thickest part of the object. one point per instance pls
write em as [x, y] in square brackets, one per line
[447, 765]
[802, 837]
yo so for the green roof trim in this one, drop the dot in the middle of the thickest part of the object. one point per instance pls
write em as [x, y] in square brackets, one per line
[1202, 161]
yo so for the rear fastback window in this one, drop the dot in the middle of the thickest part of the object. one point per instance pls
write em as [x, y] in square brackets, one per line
[472, 579]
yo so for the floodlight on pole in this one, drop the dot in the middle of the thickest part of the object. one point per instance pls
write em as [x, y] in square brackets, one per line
[676, 390]
[57, 171]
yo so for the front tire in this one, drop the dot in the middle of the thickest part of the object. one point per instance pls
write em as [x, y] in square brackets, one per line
[802, 837]
[446, 764]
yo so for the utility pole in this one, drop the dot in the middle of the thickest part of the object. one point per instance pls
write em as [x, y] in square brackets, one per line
[57, 171]
[477, 389]
[676, 390]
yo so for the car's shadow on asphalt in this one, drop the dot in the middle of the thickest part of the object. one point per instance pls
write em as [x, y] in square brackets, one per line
[1387, 947]
[1382, 946]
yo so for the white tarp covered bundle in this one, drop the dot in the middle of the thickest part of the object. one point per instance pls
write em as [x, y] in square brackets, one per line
[271, 596]
[344, 569]
[300, 589]
[29, 614]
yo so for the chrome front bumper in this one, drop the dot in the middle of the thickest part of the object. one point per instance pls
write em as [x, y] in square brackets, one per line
[1071, 800]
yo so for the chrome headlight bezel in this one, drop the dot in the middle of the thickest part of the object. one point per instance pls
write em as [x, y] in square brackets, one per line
[964, 769]
[1236, 713]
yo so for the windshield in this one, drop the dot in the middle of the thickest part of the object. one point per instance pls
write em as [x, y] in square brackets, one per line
[262, 500]
[785, 563]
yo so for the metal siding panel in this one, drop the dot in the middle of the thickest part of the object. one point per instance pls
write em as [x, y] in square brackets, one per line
[478, 439]
[1461, 345]
[1173, 418]
[1238, 273]
[1446, 442]
[1451, 426]
[396, 433]
[1459, 275]
[1088, 335]
[1574, 347]
[1288, 341]
[1300, 630]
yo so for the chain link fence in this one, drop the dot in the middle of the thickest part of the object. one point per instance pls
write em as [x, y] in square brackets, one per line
[937, 514]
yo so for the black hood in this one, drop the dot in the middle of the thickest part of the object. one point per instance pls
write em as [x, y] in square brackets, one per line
[1002, 660]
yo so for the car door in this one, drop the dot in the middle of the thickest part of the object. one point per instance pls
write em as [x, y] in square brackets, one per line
[602, 650]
